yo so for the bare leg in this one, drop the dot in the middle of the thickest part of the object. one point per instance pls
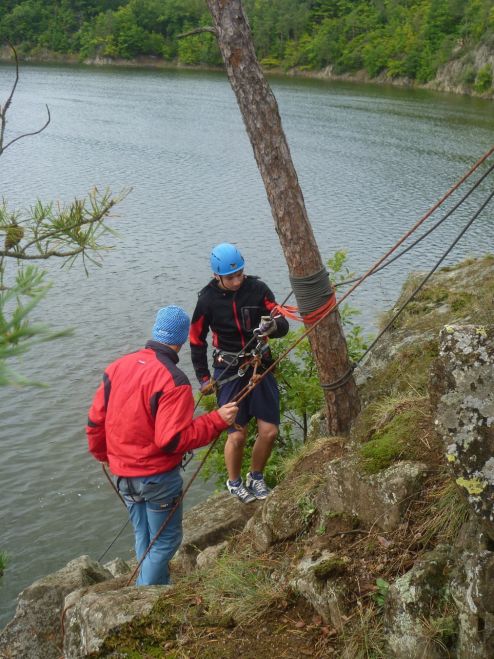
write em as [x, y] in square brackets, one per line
[234, 452]
[263, 446]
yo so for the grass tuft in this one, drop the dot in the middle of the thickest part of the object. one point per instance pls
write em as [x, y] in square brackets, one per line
[364, 636]
[445, 514]
[240, 588]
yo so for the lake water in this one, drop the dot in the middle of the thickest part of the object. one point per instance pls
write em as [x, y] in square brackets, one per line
[370, 161]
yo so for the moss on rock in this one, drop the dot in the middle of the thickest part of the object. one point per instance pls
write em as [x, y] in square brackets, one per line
[390, 444]
[331, 567]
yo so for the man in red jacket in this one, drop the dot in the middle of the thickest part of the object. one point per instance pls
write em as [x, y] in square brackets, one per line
[141, 423]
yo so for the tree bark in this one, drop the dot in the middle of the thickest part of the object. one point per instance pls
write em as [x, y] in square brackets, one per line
[262, 120]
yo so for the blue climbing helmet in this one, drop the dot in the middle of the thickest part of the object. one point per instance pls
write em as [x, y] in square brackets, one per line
[226, 259]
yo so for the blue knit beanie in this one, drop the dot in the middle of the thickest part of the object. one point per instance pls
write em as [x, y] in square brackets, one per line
[171, 326]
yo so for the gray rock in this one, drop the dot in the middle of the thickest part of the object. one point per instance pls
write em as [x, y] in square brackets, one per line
[257, 533]
[210, 554]
[210, 523]
[473, 593]
[282, 515]
[379, 499]
[118, 567]
[91, 615]
[412, 604]
[462, 388]
[35, 631]
[316, 579]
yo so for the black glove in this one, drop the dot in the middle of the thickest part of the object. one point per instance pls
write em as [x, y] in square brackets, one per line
[207, 386]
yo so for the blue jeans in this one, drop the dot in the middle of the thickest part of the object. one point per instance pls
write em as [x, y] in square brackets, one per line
[149, 501]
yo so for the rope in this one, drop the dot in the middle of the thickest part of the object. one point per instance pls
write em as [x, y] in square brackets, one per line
[113, 484]
[332, 386]
[428, 232]
[311, 291]
[292, 311]
[173, 510]
[113, 541]
[428, 276]
[244, 392]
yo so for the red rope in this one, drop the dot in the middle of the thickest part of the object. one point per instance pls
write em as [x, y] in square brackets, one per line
[246, 390]
[309, 318]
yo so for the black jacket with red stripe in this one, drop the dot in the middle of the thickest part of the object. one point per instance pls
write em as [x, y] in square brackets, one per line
[141, 420]
[232, 316]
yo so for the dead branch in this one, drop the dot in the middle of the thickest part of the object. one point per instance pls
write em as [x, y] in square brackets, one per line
[4, 109]
[198, 30]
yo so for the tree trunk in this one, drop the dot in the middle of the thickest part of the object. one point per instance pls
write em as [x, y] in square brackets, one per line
[262, 120]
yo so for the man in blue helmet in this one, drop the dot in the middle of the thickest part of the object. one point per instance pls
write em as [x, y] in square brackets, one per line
[236, 307]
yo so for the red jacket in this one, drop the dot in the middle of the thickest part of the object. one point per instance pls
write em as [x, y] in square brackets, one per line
[141, 420]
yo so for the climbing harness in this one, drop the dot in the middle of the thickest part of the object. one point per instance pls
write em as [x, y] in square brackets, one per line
[331, 304]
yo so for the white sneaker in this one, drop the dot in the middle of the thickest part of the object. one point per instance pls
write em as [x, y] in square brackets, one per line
[241, 492]
[257, 486]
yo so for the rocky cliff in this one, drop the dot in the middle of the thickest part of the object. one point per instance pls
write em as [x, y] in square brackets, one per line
[468, 73]
[381, 544]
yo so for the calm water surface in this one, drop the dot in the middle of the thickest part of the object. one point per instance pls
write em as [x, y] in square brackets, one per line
[370, 162]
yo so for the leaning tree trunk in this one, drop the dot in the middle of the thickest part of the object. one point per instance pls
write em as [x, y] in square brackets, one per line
[262, 120]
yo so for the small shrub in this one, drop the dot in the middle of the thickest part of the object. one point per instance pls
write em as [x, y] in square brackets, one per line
[3, 562]
[446, 512]
[270, 62]
[483, 81]
[468, 76]
[364, 636]
[382, 591]
[307, 509]
[441, 633]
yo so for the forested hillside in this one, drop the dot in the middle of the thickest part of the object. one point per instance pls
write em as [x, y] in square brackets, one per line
[401, 38]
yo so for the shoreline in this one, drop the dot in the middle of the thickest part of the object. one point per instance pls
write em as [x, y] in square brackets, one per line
[439, 84]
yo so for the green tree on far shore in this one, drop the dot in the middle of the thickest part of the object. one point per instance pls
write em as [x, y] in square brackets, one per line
[402, 38]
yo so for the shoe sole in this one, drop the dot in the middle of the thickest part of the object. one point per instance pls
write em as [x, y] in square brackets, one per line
[245, 500]
[259, 498]
[233, 494]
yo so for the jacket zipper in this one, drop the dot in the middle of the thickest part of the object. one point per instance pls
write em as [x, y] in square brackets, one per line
[239, 327]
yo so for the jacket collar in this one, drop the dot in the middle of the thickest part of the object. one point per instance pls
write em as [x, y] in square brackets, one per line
[214, 284]
[163, 349]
